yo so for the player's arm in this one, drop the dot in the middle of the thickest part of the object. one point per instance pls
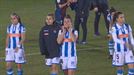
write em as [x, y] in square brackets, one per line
[73, 35]
[131, 36]
[22, 35]
[42, 43]
[61, 36]
[63, 5]
[22, 38]
[114, 36]
[7, 39]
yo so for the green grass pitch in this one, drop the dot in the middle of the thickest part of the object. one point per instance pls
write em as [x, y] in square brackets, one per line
[92, 58]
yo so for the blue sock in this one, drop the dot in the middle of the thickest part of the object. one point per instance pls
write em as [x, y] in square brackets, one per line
[53, 73]
[120, 72]
[131, 71]
[20, 72]
[10, 71]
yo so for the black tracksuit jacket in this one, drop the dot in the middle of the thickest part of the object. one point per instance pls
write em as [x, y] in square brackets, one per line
[48, 41]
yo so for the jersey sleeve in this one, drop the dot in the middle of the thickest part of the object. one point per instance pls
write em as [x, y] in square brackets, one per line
[23, 29]
[60, 31]
[8, 29]
[131, 36]
[76, 33]
[58, 1]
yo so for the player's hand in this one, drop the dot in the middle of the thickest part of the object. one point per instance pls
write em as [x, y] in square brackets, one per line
[109, 37]
[127, 45]
[63, 29]
[95, 9]
[17, 49]
[68, 3]
[70, 29]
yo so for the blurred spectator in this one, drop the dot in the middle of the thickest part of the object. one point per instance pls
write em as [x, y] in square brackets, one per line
[110, 15]
[60, 12]
[81, 16]
[100, 6]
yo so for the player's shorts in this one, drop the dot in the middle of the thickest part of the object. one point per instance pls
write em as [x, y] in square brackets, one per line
[121, 58]
[17, 57]
[54, 60]
[68, 63]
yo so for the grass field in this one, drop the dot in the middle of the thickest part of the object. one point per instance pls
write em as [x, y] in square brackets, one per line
[92, 58]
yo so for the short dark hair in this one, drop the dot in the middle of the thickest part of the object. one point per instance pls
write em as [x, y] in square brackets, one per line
[52, 15]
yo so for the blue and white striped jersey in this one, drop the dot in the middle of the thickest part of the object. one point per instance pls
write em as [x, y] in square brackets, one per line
[109, 17]
[68, 46]
[121, 35]
[14, 32]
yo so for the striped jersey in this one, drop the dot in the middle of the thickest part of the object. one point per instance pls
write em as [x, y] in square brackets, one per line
[109, 17]
[111, 42]
[68, 48]
[14, 32]
[120, 36]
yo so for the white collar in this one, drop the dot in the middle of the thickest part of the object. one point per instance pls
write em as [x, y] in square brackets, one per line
[16, 25]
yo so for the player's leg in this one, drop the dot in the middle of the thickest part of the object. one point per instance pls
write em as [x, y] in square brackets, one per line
[66, 72]
[9, 59]
[96, 23]
[84, 29]
[110, 48]
[72, 65]
[63, 62]
[105, 13]
[19, 69]
[120, 70]
[54, 69]
[76, 25]
[129, 59]
[19, 60]
[71, 72]
[54, 66]
[118, 61]
[9, 68]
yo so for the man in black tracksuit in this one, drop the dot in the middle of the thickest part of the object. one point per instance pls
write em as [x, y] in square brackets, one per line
[102, 6]
[81, 16]
[48, 44]
[48, 41]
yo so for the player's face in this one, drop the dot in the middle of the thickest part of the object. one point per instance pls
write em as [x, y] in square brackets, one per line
[14, 20]
[121, 18]
[49, 20]
[67, 23]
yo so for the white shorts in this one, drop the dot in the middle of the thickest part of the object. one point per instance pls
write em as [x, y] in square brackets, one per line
[17, 57]
[121, 58]
[68, 63]
[55, 60]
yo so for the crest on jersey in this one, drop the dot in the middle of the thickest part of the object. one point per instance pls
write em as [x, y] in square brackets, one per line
[54, 31]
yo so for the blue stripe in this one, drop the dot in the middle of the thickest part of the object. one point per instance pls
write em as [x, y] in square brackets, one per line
[14, 42]
[117, 33]
[20, 33]
[72, 49]
[66, 49]
[9, 40]
[66, 45]
[124, 39]
[14, 39]
[118, 47]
